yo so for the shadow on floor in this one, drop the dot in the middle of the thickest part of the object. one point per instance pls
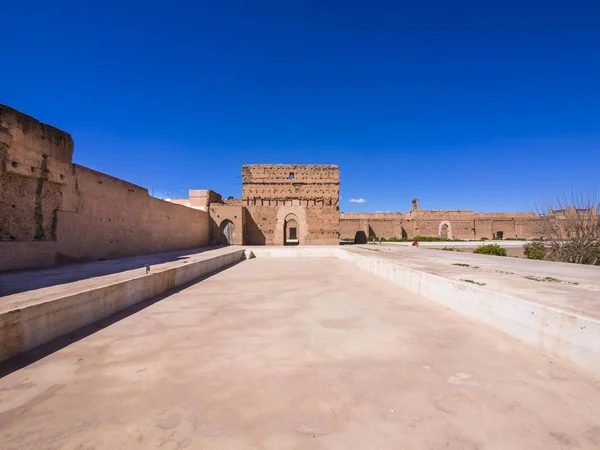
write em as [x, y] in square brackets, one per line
[28, 280]
[18, 362]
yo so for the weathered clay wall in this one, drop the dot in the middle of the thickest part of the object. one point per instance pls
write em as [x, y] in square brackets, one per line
[375, 224]
[459, 224]
[220, 213]
[307, 194]
[198, 199]
[350, 226]
[53, 211]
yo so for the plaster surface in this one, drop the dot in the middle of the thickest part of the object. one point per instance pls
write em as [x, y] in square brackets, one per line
[574, 287]
[310, 353]
[60, 280]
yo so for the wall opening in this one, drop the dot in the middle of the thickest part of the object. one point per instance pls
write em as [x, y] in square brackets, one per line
[291, 175]
[499, 235]
[360, 237]
[445, 230]
[227, 233]
[290, 230]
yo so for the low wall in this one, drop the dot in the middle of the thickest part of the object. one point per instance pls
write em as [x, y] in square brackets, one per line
[22, 329]
[292, 252]
[565, 335]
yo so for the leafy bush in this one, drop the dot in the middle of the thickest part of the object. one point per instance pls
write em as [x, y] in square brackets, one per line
[535, 250]
[490, 249]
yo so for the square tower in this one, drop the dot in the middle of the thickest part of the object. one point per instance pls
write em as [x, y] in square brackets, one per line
[291, 204]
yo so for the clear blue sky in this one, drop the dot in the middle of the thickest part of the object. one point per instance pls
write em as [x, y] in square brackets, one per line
[475, 105]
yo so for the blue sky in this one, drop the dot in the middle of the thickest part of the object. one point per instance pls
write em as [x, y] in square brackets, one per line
[474, 105]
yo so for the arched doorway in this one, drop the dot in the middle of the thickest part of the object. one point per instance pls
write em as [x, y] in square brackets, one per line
[360, 237]
[445, 230]
[291, 232]
[227, 233]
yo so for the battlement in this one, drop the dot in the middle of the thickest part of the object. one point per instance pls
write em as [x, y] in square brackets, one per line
[28, 135]
[290, 173]
[291, 181]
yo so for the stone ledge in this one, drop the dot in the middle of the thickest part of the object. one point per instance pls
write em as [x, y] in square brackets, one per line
[24, 328]
[569, 336]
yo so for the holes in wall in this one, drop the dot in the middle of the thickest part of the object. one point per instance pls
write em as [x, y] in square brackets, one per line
[291, 175]
[99, 182]
[14, 164]
[14, 206]
[32, 169]
[62, 177]
[12, 238]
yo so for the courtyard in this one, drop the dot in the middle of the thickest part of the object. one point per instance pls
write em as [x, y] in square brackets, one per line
[290, 353]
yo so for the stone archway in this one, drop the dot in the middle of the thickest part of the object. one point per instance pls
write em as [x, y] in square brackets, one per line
[227, 233]
[288, 211]
[291, 233]
[445, 230]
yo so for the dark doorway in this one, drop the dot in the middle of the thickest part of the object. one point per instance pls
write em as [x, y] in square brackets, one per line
[360, 237]
[290, 231]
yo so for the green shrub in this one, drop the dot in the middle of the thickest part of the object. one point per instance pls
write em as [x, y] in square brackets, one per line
[490, 249]
[434, 239]
[535, 250]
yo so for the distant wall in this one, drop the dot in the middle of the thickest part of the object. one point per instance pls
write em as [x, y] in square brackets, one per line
[198, 199]
[459, 224]
[53, 211]
[372, 224]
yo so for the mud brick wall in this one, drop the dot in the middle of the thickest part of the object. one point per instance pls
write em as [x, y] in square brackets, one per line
[219, 214]
[307, 193]
[53, 211]
[386, 225]
[460, 224]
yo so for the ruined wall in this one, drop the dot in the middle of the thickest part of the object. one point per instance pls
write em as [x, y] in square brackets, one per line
[53, 211]
[198, 199]
[459, 224]
[220, 213]
[372, 224]
[308, 194]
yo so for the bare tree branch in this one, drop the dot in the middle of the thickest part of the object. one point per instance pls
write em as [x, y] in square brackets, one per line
[570, 227]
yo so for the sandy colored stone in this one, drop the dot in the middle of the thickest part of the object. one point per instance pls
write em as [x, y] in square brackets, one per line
[302, 353]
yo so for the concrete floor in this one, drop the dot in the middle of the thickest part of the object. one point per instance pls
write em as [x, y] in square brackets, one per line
[298, 353]
[572, 287]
